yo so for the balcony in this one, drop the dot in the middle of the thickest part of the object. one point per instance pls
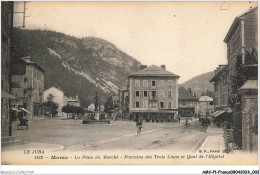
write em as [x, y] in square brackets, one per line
[153, 98]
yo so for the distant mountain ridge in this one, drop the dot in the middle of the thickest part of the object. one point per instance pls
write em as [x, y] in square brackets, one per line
[200, 83]
[80, 66]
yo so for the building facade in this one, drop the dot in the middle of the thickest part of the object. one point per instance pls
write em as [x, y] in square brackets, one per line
[206, 106]
[28, 80]
[153, 90]
[187, 103]
[6, 58]
[220, 81]
[242, 44]
[123, 103]
[73, 101]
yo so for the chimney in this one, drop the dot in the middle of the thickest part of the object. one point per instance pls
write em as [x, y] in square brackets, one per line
[163, 66]
[189, 89]
[143, 67]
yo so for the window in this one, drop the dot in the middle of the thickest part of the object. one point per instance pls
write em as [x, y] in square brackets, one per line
[153, 83]
[145, 83]
[169, 105]
[161, 105]
[145, 93]
[169, 93]
[153, 94]
[170, 83]
[183, 104]
[137, 104]
[137, 93]
[137, 83]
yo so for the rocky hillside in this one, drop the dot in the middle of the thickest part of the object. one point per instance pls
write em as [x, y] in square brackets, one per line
[77, 65]
[200, 83]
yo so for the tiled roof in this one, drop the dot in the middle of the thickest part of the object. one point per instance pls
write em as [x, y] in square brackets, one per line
[29, 62]
[185, 95]
[153, 71]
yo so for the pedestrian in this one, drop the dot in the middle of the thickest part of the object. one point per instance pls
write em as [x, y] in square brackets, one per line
[179, 118]
[139, 125]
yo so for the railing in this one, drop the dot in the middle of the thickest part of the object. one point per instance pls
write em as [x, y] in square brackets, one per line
[153, 98]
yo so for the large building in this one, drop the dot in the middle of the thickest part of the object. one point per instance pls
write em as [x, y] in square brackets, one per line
[28, 80]
[220, 81]
[188, 104]
[153, 93]
[239, 80]
[6, 57]
[242, 44]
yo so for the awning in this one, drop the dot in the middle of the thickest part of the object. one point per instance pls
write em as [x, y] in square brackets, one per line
[229, 111]
[218, 113]
[6, 95]
[214, 113]
[15, 109]
[25, 110]
[150, 111]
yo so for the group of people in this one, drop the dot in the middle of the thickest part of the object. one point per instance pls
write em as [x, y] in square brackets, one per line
[139, 124]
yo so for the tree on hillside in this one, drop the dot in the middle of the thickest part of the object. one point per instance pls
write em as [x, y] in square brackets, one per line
[53, 107]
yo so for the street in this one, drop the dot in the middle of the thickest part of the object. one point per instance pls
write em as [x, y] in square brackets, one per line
[75, 136]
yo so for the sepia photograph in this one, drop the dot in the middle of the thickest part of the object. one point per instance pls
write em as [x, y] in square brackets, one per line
[129, 83]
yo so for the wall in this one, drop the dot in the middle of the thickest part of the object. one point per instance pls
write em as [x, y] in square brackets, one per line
[205, 108]
[6, 41]
[221, 92]
[35, 80]
[188, 103]
[251, 28]
[249, 120]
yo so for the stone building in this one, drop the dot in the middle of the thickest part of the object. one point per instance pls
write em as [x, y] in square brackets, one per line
[153, 93]
[73, 101]
[6, 58]
[206, 106]
[187, 103]
[123, 103]
[220, 81]
[28, 78]
[242, 45]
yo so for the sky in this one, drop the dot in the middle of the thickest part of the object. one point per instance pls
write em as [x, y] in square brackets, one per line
[185, 36]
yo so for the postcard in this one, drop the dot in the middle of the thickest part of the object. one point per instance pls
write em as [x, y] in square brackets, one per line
[129, 83]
